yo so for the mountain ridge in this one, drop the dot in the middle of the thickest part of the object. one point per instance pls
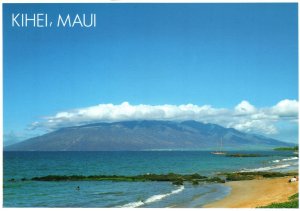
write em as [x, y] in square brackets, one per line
[145, 135]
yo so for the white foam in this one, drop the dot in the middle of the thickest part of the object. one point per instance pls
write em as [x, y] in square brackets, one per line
[161, 196]
[285, 159]
[152, 199]
[133, 204]
[292, 158]
[266, 168]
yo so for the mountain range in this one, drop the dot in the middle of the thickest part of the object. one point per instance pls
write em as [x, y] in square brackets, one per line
[146, 135]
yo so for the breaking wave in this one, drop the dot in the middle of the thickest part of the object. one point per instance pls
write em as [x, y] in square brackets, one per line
[292, 158]
[267, 168]
[152, 199]
[285, 159]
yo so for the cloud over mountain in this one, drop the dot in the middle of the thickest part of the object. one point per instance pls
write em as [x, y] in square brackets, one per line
[286, 108]
[245, 116]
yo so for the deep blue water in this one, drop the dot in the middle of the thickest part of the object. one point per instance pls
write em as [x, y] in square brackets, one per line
[20, 165]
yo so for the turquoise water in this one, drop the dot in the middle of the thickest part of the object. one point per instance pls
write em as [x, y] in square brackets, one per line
[20, 165]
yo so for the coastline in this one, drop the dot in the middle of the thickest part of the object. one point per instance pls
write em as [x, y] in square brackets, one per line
[136, 193]
[255, 193]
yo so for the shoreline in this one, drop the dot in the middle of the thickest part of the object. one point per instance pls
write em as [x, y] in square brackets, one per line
[255, 193]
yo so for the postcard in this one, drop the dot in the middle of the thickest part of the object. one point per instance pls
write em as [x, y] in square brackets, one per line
[150, 105]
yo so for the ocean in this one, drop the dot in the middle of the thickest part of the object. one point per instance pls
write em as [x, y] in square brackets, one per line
[18, 165]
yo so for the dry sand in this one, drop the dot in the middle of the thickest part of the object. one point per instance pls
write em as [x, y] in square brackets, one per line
[254, 193]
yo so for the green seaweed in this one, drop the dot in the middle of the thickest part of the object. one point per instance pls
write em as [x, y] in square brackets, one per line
[237, 176]
[215, 179]
[176, 179]
[195, 182]
[178, 182]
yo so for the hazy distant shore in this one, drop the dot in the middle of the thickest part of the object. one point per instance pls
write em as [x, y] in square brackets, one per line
[255, 193]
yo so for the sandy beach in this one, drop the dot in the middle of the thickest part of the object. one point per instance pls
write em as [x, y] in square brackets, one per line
[254, 193]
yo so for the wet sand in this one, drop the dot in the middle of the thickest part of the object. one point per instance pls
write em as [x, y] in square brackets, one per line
[254, 193]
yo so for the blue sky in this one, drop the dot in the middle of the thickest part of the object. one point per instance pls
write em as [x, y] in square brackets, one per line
[152, 54]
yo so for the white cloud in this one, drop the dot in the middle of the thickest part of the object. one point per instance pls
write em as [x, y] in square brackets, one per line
[286, 108]
[244, 116]
[257, 126]
[245, 108]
